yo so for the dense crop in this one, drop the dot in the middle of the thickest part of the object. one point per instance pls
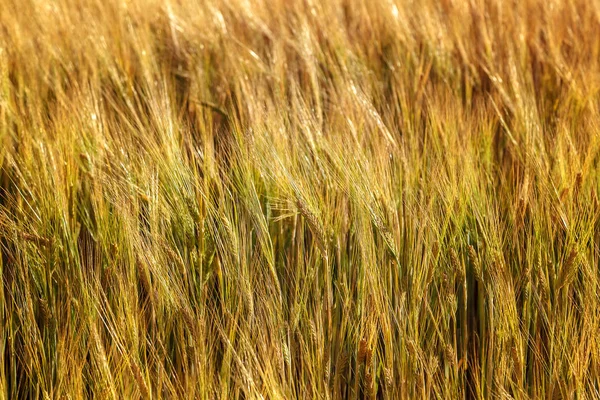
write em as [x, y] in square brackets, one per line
[299, 199]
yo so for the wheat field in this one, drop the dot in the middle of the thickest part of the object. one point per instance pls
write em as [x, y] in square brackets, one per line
[299, 199]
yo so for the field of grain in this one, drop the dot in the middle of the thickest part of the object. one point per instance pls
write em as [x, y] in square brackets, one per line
[299, 199]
